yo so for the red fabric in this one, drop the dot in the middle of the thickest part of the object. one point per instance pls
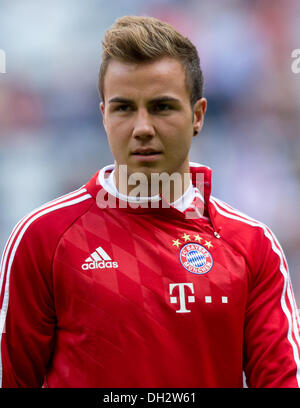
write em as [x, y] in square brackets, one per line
[70, 322]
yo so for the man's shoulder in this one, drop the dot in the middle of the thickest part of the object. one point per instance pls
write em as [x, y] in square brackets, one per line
[34, 239]
[244, 232]
[230, 215]
[51, 219]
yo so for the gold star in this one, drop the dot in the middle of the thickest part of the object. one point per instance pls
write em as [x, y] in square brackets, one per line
[197, 238]
[208, 244]
[176, 243]
[186, 237]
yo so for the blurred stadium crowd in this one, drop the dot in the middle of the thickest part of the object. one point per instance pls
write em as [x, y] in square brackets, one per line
[51, 135]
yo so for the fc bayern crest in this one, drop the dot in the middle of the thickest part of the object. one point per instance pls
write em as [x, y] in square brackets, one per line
[195, 258]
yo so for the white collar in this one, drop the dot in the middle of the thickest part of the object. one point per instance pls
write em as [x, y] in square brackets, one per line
[108, 183]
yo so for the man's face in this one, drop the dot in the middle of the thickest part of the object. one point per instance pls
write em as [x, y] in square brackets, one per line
[148, 117]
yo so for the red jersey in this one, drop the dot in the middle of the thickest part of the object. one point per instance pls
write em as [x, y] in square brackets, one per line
[145, 297]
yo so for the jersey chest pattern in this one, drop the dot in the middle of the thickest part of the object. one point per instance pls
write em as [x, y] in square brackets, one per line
[159, 266]
[144, 287]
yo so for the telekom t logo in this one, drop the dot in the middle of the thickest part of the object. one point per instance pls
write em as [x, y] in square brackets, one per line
[182, 298]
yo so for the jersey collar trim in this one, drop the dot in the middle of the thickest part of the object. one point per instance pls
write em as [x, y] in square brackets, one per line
[106, 180]
[202, 190]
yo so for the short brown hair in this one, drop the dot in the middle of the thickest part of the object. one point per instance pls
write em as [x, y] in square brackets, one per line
[141, 39]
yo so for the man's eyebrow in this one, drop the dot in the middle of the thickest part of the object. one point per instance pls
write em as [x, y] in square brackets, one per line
[120, 100]
[164, 98]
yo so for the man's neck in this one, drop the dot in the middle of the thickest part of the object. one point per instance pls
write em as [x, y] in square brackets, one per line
[170, 187]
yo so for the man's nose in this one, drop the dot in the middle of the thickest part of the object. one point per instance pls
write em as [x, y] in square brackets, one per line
[143, 126]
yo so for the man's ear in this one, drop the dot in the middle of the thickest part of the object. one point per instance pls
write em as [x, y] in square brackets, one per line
[101, 105]
[199, 113]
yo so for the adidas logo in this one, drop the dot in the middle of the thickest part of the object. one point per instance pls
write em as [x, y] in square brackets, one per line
[99, 260]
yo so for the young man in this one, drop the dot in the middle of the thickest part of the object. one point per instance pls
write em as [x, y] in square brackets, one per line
[169, 287]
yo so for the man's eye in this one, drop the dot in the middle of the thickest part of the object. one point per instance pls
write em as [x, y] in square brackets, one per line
[123, 108]
[162, 107]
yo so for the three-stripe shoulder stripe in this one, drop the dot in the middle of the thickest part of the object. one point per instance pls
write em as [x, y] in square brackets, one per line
[70, 199]
[51, 203]
[290, 312]
[275, 244]
[14, 240]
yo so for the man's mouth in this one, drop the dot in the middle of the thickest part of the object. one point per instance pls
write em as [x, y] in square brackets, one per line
[146, 154]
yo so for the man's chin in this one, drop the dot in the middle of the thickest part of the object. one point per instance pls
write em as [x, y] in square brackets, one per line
[146, 169]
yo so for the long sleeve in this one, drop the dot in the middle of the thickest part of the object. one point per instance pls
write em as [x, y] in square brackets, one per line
[271, 335]
[27, 311]
[28, 318]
